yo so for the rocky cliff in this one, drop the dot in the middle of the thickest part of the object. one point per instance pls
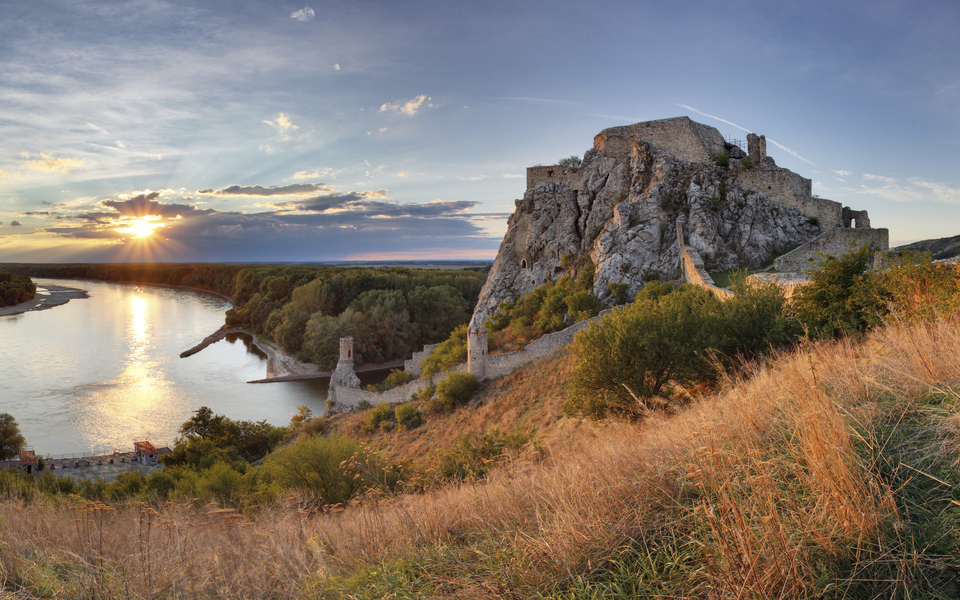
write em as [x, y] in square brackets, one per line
[619, 211]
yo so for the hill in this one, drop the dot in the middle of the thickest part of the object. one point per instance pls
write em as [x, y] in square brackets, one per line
[939, 248]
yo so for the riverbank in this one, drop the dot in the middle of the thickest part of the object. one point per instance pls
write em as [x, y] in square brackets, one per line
[50, 297]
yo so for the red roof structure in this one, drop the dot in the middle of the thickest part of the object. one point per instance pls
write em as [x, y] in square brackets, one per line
[28, 458]
[145, 447]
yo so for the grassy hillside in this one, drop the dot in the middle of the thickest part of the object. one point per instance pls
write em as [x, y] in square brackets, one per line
[831, 471]
[791, 469]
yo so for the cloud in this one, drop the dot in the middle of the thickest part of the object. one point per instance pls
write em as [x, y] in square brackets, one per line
[297, 189]
[282, 123]
[16, 224]
[841, 172]
[305, 175]
[408, 108]
[513, 176]
[869, 177]
[34, 213]
[336, 67]
[304, 14]
[145, 205]
[45, 162]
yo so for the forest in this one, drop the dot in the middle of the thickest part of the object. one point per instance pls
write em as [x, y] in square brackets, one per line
[390, 312]
[15, 289]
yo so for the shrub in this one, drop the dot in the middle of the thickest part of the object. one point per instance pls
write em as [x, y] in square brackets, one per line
[332, 469]
[626, 358]
[746, 163]
[570, 161]
[754, 320]
[425, 393]
[722, 159]
[450, 353]
[844, 297]
[396, 378]
[619, 292]
[376, 416]
[407, 416]
[919, 289]
[453, 390]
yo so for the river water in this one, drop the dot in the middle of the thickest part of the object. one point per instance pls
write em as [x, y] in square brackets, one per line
[97, 374]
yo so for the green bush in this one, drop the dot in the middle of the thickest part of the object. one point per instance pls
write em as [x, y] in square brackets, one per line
[636, 350]
[754, 320]
[746, 163]
[396, 378]
[332, 469]
[619, 292]
[452, 391]
[722, 159]
[376, 416]
[450, 353]
[844, 297]
[407, 416]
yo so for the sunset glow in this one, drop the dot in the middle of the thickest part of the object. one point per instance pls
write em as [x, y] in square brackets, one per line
[142, 227]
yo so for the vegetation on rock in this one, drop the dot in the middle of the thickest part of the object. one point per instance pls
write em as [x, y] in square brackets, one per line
[15, 289]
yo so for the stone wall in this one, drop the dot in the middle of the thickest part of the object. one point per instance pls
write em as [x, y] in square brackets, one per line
[553, 174]
[833, 242]
[794, 191]
[495, 365]
[694, 272]
[414, 366]
[679, 136]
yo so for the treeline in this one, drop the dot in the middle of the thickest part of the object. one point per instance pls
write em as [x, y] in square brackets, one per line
[211, 277]
[389, 312]
[15, 289]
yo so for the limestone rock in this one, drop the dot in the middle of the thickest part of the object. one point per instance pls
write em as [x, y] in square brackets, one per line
[619, 209]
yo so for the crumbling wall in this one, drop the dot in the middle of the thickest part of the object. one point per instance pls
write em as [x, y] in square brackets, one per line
[679, 136]
[794, 191]
[694, 272]
[553, 174]
[833, 242]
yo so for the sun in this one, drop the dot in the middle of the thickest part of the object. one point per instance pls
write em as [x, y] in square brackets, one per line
[141, 228]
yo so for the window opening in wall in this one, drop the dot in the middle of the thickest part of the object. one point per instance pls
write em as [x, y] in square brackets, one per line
[549, 173]
[523, 264]
[853, 223]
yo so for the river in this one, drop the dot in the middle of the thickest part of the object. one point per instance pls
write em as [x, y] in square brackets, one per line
[97, 374]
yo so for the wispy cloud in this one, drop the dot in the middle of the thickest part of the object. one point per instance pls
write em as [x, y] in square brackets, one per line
[513, 176]
[407, 108]
[16, 224]
[304, 14]
[909, 190]
[841, 172]
[45, 162]
[306, 175]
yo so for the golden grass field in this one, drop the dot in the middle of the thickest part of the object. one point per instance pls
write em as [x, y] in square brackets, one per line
[786, 482]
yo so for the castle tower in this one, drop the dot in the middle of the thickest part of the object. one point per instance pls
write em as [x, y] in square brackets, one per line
[343, 375]
[346, 350]
[477, 351]
[756, 148]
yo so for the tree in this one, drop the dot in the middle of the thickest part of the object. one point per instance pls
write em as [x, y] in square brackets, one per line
[570, 161]
[11, 442]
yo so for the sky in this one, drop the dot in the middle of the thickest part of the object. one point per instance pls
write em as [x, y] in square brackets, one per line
[249, 130]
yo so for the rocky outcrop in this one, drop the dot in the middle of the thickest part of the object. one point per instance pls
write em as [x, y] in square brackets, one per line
[619, 212]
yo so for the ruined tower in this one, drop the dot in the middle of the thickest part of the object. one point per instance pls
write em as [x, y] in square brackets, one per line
[477, 351]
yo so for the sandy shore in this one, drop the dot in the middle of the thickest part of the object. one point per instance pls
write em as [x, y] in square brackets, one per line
[47, 297]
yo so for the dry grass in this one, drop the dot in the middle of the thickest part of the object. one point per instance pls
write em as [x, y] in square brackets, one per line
[78, 549]
[763, 490]
[528, 399]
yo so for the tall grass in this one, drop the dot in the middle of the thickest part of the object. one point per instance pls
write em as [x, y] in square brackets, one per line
[783, 484]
